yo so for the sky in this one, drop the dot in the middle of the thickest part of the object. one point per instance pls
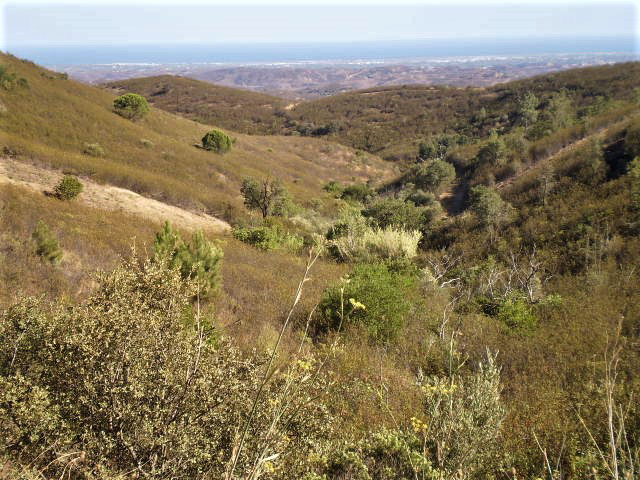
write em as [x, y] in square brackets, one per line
[160, 21]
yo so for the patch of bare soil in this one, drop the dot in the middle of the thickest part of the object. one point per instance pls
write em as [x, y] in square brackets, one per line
[107, 197]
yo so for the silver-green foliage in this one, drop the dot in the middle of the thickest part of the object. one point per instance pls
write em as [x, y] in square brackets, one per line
[134, 382]
[352, 239]
[381, 455]
[463, 418]
[455, 437]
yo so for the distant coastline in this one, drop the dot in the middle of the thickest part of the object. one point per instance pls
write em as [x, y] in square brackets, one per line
[316, 53]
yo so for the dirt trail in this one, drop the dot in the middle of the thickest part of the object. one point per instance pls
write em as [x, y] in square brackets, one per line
[107, 197]
[454, 197]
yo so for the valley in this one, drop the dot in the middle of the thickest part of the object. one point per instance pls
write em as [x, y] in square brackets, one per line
[400, 281]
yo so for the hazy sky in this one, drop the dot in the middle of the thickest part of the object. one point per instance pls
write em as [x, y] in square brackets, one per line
[118, 22]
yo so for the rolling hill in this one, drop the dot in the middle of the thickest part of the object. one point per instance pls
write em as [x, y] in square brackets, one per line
[242, 111]
[391, 121]
[53, 121]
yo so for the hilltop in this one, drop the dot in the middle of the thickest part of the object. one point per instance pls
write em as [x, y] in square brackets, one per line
[238, 110]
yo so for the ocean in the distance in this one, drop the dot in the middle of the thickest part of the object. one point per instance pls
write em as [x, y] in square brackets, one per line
[318, 52]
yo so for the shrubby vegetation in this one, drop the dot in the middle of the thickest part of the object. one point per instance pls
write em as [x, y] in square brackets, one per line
[47, 245]
[393, 374]
[93, 150]
[394, 212]
[489, 208]
[358, 192]
[131, 106]
[372, 295]
[269, 237]
[217, 141]
[136, 381]
[68, 188]
[352, 239]
[199, 260]
[267, 196]
[432, 176]
[461, 421]
[634, 173]
[9, 80]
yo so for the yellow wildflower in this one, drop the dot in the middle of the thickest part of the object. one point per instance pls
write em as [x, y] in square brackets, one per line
[418, 425]
[268, 467]
[305, 365]
[356, 305]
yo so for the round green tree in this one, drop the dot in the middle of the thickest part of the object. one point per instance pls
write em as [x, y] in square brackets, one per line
[217, 141]
[131, 106]
[68, 188]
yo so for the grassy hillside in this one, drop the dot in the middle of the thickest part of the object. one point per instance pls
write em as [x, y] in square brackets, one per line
[53, 120]
[498, 340]
[392, 121]
[238, 110]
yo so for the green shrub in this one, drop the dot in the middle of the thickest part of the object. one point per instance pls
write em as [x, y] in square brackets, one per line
[135, 382]
[372, 295]
[47, 245]
[421, 198]
[394, 212]
[93, 150]
[334, 187]
[358, 192]
[380, 455]
[517, 313]
[489, 208]
[9, 80]
[493, 153]
[269, 238]
[267, 196]
[217, 141]
[131, 106]
[591, 167]
[432, 176]
[68, 188]
[284, 206]
[199, 260]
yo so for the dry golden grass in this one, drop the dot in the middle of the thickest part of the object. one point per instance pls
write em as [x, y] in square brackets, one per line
[52, 120]
[106, 197]
[258, 286]
[238, 110]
